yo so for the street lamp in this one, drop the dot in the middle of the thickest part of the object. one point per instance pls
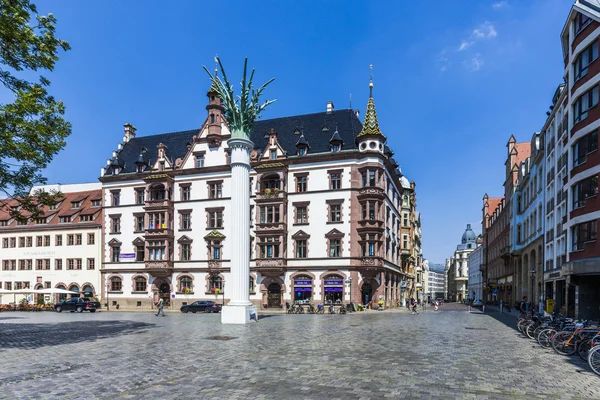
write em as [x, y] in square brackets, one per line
[107, 288]
[349, 283]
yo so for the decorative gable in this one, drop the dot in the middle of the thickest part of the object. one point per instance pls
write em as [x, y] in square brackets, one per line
[334, 234]
[184, 240]
[114, 243]
[139, 242]
[214, 235]
[300, 235]
[273, 150]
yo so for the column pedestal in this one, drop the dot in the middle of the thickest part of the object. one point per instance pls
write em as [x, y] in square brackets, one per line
[239, 310]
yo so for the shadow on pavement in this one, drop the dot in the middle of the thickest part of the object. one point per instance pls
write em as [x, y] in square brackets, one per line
[34, 336]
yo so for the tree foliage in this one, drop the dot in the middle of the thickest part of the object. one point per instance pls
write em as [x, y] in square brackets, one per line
[243, 110]
[32, 127]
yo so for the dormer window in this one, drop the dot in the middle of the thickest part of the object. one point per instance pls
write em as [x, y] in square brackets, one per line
[302, 151]
[96, 203]
[335, 148]
[161, 166]
[64, 220]
[273, 154]
[75, 204]
[140, 168]
[40, 221]
[200, 161]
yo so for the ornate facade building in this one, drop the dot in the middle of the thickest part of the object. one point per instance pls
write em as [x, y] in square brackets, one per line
[60, 249]
[458, 266]
[328, 213]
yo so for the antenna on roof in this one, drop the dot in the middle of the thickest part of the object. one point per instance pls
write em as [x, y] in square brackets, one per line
[216, 65]
[351, 101]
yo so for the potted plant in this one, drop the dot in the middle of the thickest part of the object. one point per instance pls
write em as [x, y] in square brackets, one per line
[268, 192]
[276, 191]
[186, 290]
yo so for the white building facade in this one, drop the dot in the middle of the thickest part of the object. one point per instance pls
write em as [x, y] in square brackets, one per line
[325, 219]
[436, 281]
[475, 284]
[458, 266]
[61, 249]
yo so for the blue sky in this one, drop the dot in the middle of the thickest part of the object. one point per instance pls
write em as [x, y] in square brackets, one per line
[453, 80]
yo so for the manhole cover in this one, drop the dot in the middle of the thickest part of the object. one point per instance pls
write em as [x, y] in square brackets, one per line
[221, 338]
[477, 329]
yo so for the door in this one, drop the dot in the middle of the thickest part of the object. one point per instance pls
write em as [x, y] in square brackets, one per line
[274, 295]
[164, 292]
[366, 293]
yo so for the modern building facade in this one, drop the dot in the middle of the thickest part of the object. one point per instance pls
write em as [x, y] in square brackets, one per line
[327, 213]
[582, 77]
[436, 281]
[60, 249]
[475, 284]
[458, 266]
[527, 233]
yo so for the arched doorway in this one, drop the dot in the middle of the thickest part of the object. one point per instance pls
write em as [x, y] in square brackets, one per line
[164, 292]
[366, 293]
[274, 295]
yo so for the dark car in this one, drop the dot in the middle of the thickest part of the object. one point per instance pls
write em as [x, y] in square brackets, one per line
[79, 304]
[206, 306]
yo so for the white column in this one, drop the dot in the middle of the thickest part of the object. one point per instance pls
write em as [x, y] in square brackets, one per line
[239, 308]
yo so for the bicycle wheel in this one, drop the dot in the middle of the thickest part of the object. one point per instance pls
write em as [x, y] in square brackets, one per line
[530, 329]
[594, 359]
[559, 343]
[545, 338]
[538, 330]
[583, 348]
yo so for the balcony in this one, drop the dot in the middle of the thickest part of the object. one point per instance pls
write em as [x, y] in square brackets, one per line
[271, 266]
[162, 268]
[370, 224]
[158, 204]
[371, 192]
[270, 195]
[157, 233]
[271, 227]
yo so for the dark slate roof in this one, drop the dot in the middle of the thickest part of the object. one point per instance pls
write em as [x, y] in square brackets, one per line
[336, 137]
[302, 141]
[310, 125]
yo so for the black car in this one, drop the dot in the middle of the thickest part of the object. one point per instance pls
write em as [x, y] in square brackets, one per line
[79, 304]
[206, 306]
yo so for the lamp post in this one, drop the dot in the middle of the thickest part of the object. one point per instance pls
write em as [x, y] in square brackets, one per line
[532, 279]
[107, 288]
[349, 283]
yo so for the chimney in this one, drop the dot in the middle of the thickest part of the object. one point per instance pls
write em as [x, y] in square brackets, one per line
[129, 132]
[329, 107]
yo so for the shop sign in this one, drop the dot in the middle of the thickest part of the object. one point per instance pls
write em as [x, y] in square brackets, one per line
[303, 289]
[127, 257]
[334, 282]
[554, 275]
[334, 289]
[302, 282]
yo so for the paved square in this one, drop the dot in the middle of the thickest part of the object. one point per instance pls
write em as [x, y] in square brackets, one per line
[376, 355]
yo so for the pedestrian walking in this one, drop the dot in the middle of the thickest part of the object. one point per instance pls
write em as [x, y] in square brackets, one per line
[413, 302]
[160, 305]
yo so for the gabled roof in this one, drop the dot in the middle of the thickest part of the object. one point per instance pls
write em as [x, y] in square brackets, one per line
[523, 151]
[493, 204]
[310, 125]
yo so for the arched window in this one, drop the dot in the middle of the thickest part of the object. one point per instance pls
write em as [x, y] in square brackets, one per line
[88, 291]
[61, 296]
[140, 284]
[270, 182]
[302, 288]
[185, 282]
[215, 282]
[251, 284]
[116, 285]
[74, 288]
[333, 288]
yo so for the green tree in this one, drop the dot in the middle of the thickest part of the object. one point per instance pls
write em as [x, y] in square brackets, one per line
[32, 127]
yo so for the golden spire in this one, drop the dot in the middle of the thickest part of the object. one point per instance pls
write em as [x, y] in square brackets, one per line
[213, 87]
[371, 124]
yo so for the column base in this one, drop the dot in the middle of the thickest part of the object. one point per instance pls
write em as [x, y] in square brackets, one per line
[238, 314]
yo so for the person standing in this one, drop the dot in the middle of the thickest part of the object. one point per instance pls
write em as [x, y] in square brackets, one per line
[160, 305]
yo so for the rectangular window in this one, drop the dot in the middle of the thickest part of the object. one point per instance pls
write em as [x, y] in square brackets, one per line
[57, 264]
[85, 218]
[583, 190]
[13, 242]
[269, 248]
[301, 183]
[586, 101]
[64, 220]
[156, 250]
[116, 225]
[139, 196]
[22, 242]
[91, 239]
[215, 191]
[200, 161]
[580, 22]
[372, 210]
[139, 253]
[78, 263]
[185, 252]
[301, 215]
[584, 146]
[116, 198]
[216, 254]
[96, 203]
[300, 248]
[336, 181]
[583, 233]
[5, 243]
[186, 221]
[269, 214]
[75, 205]
[58, 240]
[29, 265]
[39, 241]
[78, 239]
[29, 241]
[70, 240]
[335, 213]
[91, 263]
[215, 219]
[21, 265]
[157, 221]
[186, 193]
[70, 264]
[116, 253]
[139, 223]
[335, 247]
[273, 154]
[47, 264]
[46, 240]
[584, 59]
[372, 180]
[39, 264]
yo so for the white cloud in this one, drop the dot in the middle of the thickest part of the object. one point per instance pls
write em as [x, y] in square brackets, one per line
[484, 31]
[500, 4]
[475, 63]
[465, 45]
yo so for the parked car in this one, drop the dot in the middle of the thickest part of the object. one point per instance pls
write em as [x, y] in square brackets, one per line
[79, 304]
[206, 306]
[477, 303]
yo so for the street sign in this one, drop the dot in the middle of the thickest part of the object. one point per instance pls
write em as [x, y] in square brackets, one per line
[348, 281]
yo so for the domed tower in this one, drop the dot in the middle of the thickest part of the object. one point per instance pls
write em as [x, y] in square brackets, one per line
[370, 138]
[469, 237]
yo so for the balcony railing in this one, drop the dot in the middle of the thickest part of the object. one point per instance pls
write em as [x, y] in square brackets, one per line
[164, 266]
[271, 262]
[158, 204]
[270, 194]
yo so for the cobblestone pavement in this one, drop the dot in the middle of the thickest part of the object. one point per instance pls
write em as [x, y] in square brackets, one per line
[391, 354]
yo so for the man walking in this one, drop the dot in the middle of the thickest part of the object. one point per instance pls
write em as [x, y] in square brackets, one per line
[160, 305]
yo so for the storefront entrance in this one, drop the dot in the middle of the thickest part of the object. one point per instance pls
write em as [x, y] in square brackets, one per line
[164, 292]
[274, 295]
[366, 293]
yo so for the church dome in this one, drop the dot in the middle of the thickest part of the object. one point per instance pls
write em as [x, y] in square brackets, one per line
[469, 235]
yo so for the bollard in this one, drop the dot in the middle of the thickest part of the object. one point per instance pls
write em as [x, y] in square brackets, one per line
[469, 308]
[483, 310]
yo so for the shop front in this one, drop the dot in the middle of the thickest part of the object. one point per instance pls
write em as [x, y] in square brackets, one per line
[334, 289]
[303, 289]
